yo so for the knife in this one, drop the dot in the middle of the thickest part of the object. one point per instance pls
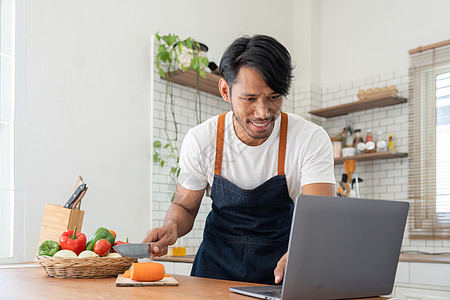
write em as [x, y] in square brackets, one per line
[75, 195]
[77, 203]
[78, 181]
[134, 250]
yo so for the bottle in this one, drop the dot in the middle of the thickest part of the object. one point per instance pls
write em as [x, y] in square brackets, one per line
[370, 144]
[381, 142]
[348, 140]
[358, 140]
[391, 144]
[337, 148]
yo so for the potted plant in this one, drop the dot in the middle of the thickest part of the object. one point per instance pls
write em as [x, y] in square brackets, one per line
[170, 49]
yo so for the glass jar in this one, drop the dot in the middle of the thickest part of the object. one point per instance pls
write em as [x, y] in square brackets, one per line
[381, 142]
[370, 144]
[337, 147]
[358, 140]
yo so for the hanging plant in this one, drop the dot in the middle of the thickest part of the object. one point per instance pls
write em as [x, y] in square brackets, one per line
[170, 48]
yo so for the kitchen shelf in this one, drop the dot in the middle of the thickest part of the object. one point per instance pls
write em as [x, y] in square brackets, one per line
[188, 78]
[169, 258]
[370, 156]
[360, 105]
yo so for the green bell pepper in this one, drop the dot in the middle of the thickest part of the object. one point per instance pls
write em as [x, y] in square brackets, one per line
[48, 248]
[100, 233]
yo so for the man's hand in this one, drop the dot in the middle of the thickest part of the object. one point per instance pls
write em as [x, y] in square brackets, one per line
[161, 238]
[279, 270]
[178, 221]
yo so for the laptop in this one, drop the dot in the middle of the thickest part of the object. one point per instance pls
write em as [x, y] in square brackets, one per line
[339, 248]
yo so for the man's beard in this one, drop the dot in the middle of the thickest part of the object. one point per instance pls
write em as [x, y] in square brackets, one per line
[271, 119]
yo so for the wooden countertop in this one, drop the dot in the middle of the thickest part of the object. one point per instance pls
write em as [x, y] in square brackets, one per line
[33, 283]
[405, 257]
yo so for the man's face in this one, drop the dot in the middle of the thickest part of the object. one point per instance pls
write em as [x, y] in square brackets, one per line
[255, 107]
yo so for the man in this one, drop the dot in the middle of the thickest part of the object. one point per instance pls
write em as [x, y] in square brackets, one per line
[253, 162]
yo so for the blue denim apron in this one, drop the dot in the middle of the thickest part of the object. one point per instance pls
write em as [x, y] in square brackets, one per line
[247, 231]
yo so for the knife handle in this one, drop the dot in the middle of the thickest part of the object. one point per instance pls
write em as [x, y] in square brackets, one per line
[78, 181]
[77, 203]
[75, 195]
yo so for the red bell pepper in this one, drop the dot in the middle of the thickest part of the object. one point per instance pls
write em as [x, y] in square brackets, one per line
[72, 240]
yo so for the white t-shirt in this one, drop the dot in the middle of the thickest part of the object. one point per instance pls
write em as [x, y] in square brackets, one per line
[309, 156]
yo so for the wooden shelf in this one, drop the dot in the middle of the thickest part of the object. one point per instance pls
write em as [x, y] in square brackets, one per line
[370, 156]
[187, 78]
[340, 110]
[184, 259]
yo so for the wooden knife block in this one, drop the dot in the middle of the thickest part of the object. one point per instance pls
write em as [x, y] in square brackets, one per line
[58, 219]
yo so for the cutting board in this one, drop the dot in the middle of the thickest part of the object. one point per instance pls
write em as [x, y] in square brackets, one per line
[166, 281]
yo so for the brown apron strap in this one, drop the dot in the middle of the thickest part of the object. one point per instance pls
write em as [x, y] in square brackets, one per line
[282, 143]
[219, 144]
[281, 148]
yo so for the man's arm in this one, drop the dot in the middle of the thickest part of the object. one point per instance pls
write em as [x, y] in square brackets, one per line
[323, 189]
[179, 220]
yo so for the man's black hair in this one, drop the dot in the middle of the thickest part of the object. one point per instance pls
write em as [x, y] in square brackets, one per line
[264, 54]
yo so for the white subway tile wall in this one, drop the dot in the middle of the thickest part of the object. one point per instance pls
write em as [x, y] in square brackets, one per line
[383, 179]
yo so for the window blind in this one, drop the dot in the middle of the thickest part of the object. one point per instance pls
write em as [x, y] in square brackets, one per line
[429, 146]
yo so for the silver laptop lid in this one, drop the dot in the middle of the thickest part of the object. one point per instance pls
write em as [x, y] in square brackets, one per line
[343, 247]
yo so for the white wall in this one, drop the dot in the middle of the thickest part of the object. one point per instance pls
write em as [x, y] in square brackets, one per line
[87, 77]
[362, 38]
[306, 43]
[86, 107]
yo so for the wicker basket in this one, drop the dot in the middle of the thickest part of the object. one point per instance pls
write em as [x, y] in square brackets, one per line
[87, 267]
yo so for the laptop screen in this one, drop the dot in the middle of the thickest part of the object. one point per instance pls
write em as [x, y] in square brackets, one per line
[343, 247]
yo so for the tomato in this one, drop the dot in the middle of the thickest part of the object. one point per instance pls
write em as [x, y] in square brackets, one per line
[119, 243]
[102, 247]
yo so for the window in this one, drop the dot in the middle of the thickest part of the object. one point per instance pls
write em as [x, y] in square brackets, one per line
[443, 143]
[429, 162]
[7, 87]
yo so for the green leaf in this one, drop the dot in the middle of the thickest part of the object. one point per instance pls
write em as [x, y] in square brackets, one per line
[196, 46]
[166, 39]
[166, 145]
[194, 63]
[180, 47]
[173, 39]
[161, 73]
[189, 43]
[203, 74]
[205, 61]
[185, 68]
[162, 163]
[178, 172]
[157, 144]
[155, 157]
[165, 56]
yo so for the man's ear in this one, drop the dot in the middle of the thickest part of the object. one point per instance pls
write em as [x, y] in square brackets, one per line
[224, 90]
